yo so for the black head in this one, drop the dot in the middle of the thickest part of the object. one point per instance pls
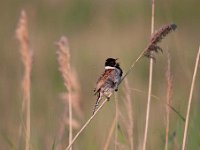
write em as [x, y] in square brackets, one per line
[110, 62]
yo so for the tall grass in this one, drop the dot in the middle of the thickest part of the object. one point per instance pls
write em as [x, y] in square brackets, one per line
[72, 98]
[129, 108]
[190, 101]
[65, 69]
[116, 120]
[147, 52]
[168, 99]
[109, 137]
[126, 118]
[71, 83]
[26, 56]
[86, 124]
[150, 82]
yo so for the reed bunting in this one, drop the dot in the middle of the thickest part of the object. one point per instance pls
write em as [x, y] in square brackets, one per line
[108, 81]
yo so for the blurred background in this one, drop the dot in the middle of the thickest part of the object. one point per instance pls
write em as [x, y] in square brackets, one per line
[97, 30]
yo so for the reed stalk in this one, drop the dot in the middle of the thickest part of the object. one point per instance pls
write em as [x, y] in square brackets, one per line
[86, 124]
[190, 101]
[116, 120]
[129, 108]
[106, 146]
[168, 99]
[26, 56]
[66, 71]
[150, 82]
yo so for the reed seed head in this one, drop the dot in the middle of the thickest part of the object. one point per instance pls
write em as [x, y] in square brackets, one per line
[156, 38]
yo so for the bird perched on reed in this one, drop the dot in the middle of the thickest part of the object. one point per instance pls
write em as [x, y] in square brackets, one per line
[108, 81]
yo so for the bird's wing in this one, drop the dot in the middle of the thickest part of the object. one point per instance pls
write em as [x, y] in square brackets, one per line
[102, 80]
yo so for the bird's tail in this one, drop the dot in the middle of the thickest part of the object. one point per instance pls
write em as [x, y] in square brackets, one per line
[97, 103]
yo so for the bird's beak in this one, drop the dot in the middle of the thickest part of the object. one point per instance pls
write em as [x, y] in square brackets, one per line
[117, 61]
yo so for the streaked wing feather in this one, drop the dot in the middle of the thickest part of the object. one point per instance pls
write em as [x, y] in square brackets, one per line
[102, 80]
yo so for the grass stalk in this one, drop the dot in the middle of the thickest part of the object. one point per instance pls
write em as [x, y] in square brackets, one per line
[70, 119]
[129, 113]
[190, 101]
[150, 83]
[26, 56]
[106, 146]
[168, 105]
[66, 71]
[116, 120]
[86, 124]
[168, 99]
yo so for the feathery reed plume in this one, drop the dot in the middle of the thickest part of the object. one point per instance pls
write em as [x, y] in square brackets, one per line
[152, 46]
[150, 82]
[129, 109]
[162, 32]
[26, 56]
[168, 98]
[157, 37]
[190, 100]
[70, 82]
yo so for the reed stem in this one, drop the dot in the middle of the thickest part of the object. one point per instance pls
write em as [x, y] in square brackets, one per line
[190, 101]
[150, 83]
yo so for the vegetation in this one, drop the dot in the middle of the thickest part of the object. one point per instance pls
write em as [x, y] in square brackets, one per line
[46, 99]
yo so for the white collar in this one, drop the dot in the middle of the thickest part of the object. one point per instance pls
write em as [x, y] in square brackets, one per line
[109, 67]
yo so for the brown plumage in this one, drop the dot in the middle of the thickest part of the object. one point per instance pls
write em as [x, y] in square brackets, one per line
[102, 80]
[108, 81]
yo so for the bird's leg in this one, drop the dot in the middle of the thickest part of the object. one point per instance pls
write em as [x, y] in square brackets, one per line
[108, 98]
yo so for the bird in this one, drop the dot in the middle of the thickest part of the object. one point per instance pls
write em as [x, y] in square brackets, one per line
[108, 82]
